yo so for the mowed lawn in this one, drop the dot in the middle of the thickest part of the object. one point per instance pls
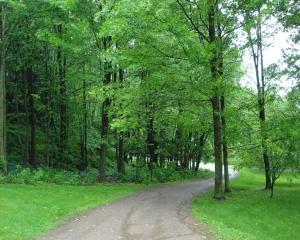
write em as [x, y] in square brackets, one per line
[26, 210]
[248, 213]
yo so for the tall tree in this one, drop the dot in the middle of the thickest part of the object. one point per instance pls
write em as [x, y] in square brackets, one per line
[63, 130]
[206, 31]
[30, 83]
[84, 129]
[108, 75]
[256, 46]
[121, 153]
[2, 90]
[222, 103]
[217, 123]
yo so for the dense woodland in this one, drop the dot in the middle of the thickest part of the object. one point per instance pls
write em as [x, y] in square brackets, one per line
[131, 86]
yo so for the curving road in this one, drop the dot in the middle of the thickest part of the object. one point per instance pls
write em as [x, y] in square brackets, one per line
[158, 214]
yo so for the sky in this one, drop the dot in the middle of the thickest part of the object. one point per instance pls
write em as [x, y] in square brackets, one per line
[273, 53]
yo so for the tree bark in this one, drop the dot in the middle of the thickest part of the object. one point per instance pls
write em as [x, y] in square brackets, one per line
[223, 118]
[138, 157]
[262, 112]
[47, 100]
[83, 144]
[120, 147]
[26, 106]
[105, 119]
[31, 117]
[63, 132]
[225, 148]
[202, 141]
[151, 140]
[217, 148]
[3, 160]
[217, 125]
[121, 163]
[258, 61]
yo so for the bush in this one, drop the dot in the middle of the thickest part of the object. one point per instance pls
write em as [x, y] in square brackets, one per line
[48, 175]
[39, 176]
[171, 173]
[19, 175]
[24, 176]
[90, 176]
[2, 178]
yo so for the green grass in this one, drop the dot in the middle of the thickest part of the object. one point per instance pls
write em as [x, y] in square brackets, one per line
[28, 210]
[248, 213]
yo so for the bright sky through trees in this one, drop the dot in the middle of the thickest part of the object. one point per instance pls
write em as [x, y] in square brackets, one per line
[277, 43]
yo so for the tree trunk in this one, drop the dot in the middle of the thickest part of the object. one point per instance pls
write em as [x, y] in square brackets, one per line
[272, 188]
[262, 118]
[217, 126]
[177, 151]
[83, 143]
[262, 112]
[151, 140]
[138, 157]
[223, 118]
[31, 118]
[105, 120]
[63, 134]
[3, 161]
[121, 163]
[217, 148]
[26, 106]
[202, 141]
[47, 100]
[225, 148]
[258, 60]
[185, 160]
[120, 147]
[104, 139]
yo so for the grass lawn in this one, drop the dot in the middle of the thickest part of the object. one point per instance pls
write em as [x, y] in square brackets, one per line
[26, 210]
[248, 213]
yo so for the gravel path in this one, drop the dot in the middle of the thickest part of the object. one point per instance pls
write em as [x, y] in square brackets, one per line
[158, 214]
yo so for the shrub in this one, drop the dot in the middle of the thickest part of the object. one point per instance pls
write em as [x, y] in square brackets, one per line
[39, 176]
[170, 173]
[90, 176]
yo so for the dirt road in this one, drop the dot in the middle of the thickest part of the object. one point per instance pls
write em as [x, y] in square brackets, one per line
[161, 213]
[157, 214]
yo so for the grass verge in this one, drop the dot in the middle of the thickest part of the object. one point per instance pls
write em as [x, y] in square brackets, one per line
[29, 210]
[248, 213]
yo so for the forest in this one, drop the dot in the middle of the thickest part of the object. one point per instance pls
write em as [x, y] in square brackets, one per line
[110, 85]
[97, 92]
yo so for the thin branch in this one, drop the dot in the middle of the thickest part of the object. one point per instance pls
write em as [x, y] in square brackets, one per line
[164, 53]
[200, 34]
[242, 147]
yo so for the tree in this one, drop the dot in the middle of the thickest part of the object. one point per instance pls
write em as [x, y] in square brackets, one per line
[287, 13]
[108, 75]
[217, 121]
[3, 160]
[254, 20]
[63, 114]
[284, 140]
[211, 31]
